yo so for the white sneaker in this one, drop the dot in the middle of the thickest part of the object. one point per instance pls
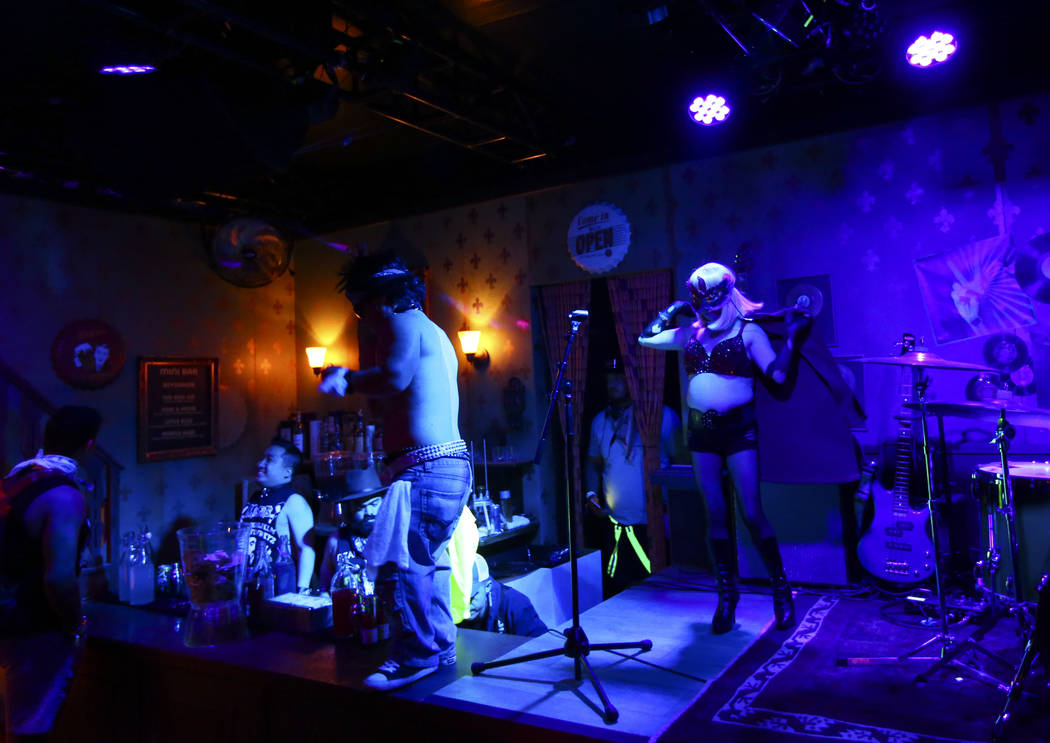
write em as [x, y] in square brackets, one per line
[392, 675]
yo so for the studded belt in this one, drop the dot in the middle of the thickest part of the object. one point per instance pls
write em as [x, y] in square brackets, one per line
[402, 459]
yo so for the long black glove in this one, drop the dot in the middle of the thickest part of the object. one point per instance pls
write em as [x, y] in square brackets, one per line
[668, 318]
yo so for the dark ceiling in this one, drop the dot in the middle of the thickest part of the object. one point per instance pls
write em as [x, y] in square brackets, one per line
[442, 102]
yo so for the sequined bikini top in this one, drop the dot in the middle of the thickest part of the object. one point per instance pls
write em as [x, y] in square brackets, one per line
[728, 357]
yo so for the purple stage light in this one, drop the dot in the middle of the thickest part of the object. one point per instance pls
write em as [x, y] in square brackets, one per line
[926, 52]
[128, 69]
[709, 110]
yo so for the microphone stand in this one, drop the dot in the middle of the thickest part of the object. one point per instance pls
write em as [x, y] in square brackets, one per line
[577, 646]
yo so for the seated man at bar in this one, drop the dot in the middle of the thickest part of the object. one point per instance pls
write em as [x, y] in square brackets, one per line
[278, 511]
[42, 532]
[350, 538]
[495, 607]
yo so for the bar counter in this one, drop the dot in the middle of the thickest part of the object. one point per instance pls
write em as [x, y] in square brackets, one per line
[137, 681]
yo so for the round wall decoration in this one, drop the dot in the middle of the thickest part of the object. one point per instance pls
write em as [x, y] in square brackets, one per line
[87, 354]
[599, 236]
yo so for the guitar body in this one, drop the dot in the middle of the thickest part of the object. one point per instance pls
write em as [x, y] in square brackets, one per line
[896, 547]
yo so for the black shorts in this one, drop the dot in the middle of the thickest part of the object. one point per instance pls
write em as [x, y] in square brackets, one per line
[723, 433]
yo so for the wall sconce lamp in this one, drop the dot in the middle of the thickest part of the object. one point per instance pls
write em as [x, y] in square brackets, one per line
[315, 355]
[470, 340]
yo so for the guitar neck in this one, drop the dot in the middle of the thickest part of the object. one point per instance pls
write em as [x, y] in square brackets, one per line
[903, 458]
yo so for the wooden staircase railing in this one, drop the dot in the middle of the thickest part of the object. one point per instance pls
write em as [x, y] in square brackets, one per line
[23, 415]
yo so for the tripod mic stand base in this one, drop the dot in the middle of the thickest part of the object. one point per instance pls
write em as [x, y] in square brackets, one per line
[578, 648]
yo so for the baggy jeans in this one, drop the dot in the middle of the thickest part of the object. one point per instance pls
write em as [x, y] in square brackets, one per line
[418, 596]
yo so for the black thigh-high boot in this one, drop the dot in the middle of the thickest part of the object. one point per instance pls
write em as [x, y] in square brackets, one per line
[728, 592]
[783, 604]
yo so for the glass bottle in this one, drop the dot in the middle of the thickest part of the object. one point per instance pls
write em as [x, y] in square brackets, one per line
[140, 571]
[127, 544]
[326, 439]
[377, 444]
[298, 432]
[336, 435]
[346, 597]
[359, 438]
[284, 569]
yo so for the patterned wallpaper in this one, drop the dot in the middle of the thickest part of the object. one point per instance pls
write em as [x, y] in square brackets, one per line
[149, 280]
[857, 209]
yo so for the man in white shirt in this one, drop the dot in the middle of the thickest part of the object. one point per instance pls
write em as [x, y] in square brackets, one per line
[615, 468]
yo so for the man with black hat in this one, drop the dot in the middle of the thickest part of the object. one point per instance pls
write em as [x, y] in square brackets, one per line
[615, 467]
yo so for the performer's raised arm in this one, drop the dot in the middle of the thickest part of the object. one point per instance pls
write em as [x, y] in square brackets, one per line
[772, 363]
[664, 332]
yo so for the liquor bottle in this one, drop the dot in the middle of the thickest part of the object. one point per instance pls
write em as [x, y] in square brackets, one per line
[298, 432]
[377, 444]
[326, 436]
[124, 565]
[284, 569]
[336, 421]
[359, 434]
[345, 591]
[140, 571]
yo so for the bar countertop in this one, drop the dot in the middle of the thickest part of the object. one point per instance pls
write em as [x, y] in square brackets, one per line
[307, 658]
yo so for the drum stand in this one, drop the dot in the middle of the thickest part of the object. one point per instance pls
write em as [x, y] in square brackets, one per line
[990, 615]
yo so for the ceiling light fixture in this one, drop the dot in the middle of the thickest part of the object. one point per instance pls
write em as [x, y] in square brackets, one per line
[927, 52]
[709, 110]
[128, 69]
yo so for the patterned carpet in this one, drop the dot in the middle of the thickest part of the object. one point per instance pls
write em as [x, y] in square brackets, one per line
[795, 688]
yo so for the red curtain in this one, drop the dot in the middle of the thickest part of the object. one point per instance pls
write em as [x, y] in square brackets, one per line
[635, 301]
[557, 302]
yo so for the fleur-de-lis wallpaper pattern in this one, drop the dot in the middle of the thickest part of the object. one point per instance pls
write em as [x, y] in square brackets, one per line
[860, 207]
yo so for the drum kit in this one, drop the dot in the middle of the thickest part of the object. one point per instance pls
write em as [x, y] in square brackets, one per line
[995, 484]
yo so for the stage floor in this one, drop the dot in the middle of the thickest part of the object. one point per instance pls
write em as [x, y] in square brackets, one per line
[752, 684]
[649, 689]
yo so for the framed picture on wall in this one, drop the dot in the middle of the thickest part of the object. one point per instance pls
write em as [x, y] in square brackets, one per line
[177, 408]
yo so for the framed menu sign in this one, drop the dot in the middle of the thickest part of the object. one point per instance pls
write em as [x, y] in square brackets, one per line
[178, 411]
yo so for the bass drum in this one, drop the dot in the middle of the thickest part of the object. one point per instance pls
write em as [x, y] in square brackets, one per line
[1030, 483]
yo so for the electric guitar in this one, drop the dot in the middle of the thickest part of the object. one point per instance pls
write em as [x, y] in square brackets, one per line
[896, 546]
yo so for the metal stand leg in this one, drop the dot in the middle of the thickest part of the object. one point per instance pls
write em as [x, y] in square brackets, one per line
[576, 646]
[995, 612]
[1013, 693]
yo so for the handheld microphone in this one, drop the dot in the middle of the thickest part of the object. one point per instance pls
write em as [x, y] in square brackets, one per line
[579, 315]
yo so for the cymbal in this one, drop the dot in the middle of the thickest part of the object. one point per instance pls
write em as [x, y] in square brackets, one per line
[923, 359]
[988, 411]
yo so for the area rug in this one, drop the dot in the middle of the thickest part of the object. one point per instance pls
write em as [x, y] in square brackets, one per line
[802, 689]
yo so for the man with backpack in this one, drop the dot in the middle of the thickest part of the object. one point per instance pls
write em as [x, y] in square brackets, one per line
[42, 532]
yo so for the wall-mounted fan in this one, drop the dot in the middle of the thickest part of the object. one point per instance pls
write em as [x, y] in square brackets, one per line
[249, 252]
